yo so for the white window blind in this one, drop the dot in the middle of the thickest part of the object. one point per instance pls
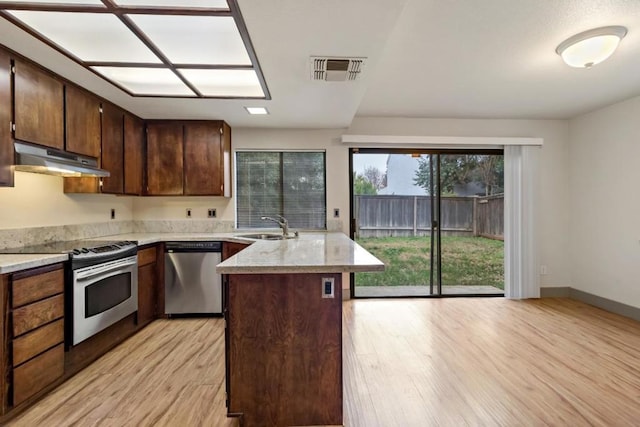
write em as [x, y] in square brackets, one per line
[291, 184]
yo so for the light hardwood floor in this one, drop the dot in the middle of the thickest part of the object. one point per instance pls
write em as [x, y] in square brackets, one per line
[440, 362]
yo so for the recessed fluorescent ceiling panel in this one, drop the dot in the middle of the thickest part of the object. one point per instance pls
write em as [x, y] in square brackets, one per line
[225, 83]
[83, 2]
[211, 4]
[139, 45]
[146, 81]
[90, 37]
[210, 39]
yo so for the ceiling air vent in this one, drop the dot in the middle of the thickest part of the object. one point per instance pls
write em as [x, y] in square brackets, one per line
[336, 69]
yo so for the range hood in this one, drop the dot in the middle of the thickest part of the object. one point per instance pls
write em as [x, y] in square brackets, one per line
[31, 158]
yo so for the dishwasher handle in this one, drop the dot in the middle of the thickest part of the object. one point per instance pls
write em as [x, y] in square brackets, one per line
[196, 246]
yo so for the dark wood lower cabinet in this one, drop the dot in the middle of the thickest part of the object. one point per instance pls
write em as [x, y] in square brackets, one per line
[37, 341]
[36, 337]
[5, 360]
[32, 355]
[284, 349]
[32, 376]
[147, 279]
[149, 260]
[37, 314]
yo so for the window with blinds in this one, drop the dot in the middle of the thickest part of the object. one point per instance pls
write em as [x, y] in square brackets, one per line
[291, 184]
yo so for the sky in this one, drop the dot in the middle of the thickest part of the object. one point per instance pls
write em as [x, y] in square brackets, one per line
[361, 161]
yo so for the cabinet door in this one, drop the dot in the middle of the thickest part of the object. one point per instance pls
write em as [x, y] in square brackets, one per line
[202, 159]
[6, 142]
[82, 122]
[164, 159]
[113, 148]
[225, 141]
[39, 106]
[147, 278]
[4, 336]
[133, 154]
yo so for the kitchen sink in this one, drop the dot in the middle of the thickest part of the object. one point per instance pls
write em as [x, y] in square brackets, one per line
[267, 236]
[263, 236]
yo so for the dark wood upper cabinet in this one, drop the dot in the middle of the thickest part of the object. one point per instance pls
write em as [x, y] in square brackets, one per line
[82, 122]
[113, 148]
[164, 159]
[190, 158]
[39, 106]
[6, 142]
[202, 159]
[225, 164]
[133, 154]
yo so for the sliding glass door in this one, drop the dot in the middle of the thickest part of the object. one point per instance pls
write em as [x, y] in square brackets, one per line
[419, 213]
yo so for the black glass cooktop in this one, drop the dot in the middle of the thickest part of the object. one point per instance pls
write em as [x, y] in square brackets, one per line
[63, 247]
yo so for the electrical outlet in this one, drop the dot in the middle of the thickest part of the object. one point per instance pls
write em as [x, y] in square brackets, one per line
[113, 214]
[328, 287]
[188, 212]
[211, 213]
[336, 213]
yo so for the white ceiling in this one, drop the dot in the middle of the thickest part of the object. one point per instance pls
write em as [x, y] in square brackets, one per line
[426, 58]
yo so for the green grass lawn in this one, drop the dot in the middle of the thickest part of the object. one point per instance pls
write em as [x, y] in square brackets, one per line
[465, 261]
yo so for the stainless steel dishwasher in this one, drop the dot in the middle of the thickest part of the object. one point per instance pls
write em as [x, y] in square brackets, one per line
[191, 284]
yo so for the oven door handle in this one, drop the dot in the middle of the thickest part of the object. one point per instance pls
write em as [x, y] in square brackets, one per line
[91, 272]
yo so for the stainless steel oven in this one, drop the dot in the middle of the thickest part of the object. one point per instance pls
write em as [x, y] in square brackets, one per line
[104, 287]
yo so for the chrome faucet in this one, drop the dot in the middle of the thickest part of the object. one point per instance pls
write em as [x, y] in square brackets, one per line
[281, 221]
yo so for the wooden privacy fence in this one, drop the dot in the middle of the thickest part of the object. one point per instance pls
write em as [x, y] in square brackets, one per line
[405, 216]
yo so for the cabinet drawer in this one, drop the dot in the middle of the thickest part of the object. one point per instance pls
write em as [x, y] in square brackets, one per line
[146, 256]
[37, 314]
[37, 287]
[36, 374]
[37, 341]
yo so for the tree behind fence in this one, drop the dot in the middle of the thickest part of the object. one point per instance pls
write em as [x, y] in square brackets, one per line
[404, 216]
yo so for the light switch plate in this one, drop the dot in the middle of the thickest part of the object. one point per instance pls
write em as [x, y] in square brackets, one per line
[328, 287]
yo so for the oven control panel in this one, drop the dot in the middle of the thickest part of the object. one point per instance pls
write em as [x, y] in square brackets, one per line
[102, 251]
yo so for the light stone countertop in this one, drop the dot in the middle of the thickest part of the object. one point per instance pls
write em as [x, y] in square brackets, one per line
[312, 252]
[151, 238]
[10, 262]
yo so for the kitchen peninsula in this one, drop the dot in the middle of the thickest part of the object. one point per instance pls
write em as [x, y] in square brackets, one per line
[283, 308]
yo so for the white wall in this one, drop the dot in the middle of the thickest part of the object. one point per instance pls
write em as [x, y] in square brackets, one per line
[553, 210]
[605, 203]
[155, 208]
[38, 201]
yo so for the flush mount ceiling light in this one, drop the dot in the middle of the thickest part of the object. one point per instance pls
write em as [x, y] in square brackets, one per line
[586, 49]
[168, 48]
[256, 110]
